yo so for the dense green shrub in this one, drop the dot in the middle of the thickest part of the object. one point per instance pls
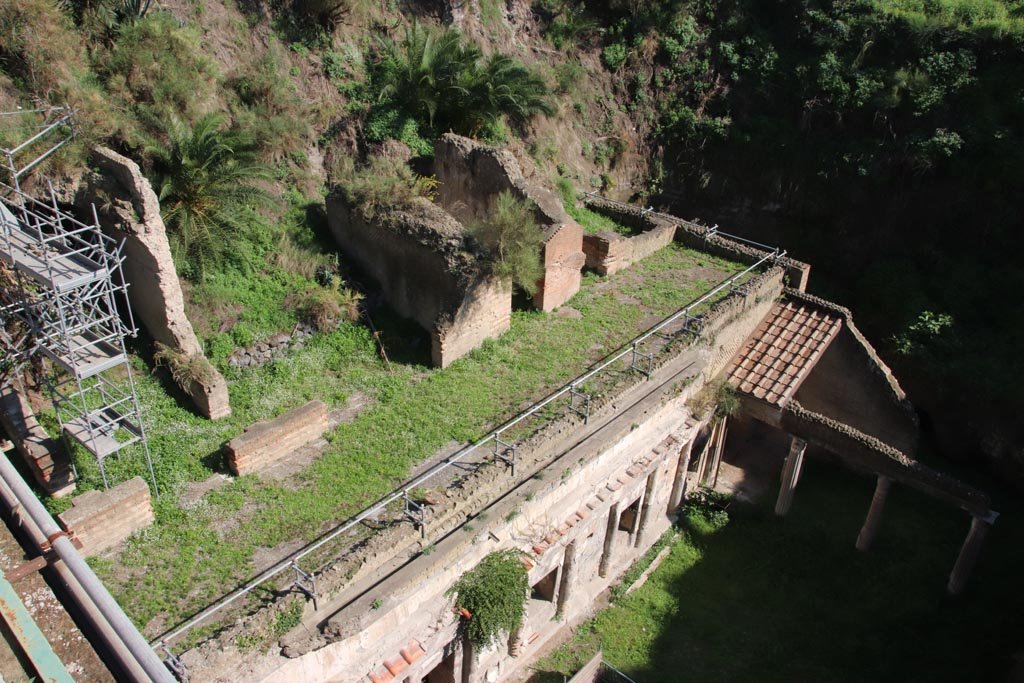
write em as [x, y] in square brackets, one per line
[382, 183]
[494, 592]
[514, 240]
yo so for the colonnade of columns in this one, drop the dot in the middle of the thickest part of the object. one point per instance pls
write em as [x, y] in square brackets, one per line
[969, 551]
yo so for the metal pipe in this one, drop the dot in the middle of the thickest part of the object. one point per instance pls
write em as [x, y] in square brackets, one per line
[68, 582]
[83, 574]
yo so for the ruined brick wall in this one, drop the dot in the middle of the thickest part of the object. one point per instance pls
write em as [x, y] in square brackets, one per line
[103, 519]
[419, 260]
[128, 209]
[264, 443]
[471, 176]
[45, 457]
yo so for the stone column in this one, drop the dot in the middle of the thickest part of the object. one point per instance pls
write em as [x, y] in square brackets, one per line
[874, 518]
[609, 541]
[969, 552]
[790, 475]
[645, 509]
[565, 589]
[678, 494]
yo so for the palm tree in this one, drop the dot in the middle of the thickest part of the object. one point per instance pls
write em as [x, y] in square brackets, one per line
[421, 73]
[207, 178]
[502, 86]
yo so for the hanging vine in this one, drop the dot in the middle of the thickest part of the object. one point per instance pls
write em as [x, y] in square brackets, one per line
[494, 593]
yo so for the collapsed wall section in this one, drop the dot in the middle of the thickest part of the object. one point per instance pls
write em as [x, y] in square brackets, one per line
[128, 209]
[418, 257]
[101, 520]
[471, 176]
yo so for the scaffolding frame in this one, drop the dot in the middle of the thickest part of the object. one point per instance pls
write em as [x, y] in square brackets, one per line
[71, 296]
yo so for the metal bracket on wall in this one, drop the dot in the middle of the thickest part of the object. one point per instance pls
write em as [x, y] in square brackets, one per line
[305, 583]
[646, 364]
[505, 452]
[693, 323]
[174, 664]
[583, 408]
[415, 513]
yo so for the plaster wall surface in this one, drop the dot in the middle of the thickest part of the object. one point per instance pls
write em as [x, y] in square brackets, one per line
[128, 209]
[416, 258]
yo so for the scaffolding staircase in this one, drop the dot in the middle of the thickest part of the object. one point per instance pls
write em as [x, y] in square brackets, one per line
[66, 290]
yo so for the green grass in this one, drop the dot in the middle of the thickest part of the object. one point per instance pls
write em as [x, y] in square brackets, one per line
[594, 222]
[209, 548]
[770, 599]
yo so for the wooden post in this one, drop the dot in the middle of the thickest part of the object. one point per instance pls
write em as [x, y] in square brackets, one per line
[969, 552]
[678, 494]
[874, 518]
[568, 577]
[790, 475]
[609, 541]
[716, 462]
[645, 509]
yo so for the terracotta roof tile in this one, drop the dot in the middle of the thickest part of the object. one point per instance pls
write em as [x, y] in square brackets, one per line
[783, 349]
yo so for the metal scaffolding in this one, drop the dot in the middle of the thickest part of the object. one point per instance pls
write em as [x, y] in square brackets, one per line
[64, 298]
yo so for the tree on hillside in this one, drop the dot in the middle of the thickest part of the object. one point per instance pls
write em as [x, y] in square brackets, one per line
[207, 179]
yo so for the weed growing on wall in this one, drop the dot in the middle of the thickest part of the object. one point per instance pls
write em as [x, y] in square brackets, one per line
[494, 593]
[514, 240]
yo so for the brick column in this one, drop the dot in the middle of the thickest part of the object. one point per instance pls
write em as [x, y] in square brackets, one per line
[969, 552]
[568, 578]
[645, 509]
[874, 518]
[609, 541]
[790, 475]
[469, 662]
[678, 494]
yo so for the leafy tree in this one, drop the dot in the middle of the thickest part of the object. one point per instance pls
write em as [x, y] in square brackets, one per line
[208, 178]
[494, 592]
[514, 240]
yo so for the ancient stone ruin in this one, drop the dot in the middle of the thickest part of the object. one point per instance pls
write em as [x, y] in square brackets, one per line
[128, 209]
[419, 258]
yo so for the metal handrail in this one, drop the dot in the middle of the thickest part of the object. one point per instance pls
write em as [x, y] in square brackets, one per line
[162, 640]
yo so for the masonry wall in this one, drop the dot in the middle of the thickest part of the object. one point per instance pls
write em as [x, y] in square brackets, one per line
[46, 459]
[609, 252]
[264, 443]
[470, 178]
[423, 277]
[128, 209]
[103, 519]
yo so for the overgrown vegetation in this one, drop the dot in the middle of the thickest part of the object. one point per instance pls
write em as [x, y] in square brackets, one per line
[514, 240]
[185, 369]
[494, 593]
[381, 183]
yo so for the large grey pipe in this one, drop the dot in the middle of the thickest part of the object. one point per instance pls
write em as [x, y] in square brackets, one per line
[122, 626]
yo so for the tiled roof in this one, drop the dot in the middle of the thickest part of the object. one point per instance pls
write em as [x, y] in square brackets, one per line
[777, 357]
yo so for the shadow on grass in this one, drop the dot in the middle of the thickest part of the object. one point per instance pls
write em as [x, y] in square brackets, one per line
[769, 599]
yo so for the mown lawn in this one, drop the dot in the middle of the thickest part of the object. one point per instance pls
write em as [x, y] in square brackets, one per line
[193, 555]
[769, 599]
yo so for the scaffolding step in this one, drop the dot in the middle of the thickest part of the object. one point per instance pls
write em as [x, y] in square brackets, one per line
[103, 432]
[86, 356]
[56, 269]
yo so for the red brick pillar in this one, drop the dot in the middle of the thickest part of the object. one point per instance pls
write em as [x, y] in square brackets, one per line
[874, 518]
[790, 475]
